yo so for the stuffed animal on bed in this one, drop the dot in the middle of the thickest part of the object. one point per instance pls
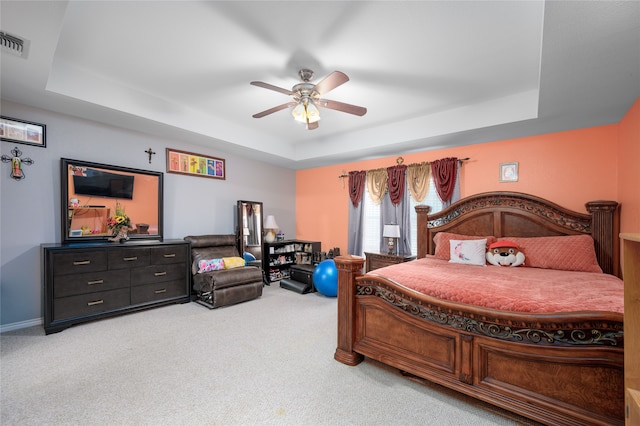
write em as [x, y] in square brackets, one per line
[505, 253]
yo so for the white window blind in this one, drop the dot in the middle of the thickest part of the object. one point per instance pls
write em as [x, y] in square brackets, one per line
[371, 224]
[432, 200]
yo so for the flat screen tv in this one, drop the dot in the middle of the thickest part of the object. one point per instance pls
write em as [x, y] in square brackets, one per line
[99, 183]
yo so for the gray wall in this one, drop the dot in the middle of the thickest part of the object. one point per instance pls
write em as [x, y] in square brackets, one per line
[30, 208]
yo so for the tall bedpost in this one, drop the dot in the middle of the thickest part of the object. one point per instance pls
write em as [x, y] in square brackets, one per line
[604, 224]
[349, 267]
[424, 245]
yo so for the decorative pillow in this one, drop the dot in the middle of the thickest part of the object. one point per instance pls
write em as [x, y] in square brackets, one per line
[468, 252]
[442, 239]
[248, 257]
[505, 253]
[208, 265]
[568, 253]
[233, 262]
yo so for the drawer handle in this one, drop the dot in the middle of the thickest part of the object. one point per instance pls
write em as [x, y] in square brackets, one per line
[81, 262]
[129, 259]
[170, 255]
[97, 302]
[95, 282]
[164, 290]
[159, 274]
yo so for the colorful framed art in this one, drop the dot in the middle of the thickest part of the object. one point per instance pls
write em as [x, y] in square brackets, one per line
[25, 132]
[192, 164]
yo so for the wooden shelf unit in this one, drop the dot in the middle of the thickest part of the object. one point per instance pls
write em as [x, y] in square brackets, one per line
[279, 256]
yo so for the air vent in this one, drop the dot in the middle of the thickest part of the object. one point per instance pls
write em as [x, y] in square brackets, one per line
[14, 44]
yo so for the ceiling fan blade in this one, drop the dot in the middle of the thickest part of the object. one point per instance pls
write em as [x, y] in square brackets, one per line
[272, 110]
[330, 82]
[341, 106]
[311, 126]
[272, 87]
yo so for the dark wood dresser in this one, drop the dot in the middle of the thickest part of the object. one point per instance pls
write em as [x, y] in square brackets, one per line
[88, 281]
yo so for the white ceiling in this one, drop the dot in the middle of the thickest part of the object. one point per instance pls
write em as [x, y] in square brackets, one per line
[432, 74]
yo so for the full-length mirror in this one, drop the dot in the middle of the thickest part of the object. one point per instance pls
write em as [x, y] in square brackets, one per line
[97, 198]
[250, 227]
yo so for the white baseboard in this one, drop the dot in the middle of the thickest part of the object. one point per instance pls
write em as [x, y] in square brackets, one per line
[22, 324]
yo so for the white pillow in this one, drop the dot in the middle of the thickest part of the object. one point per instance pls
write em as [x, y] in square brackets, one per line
[468, 252]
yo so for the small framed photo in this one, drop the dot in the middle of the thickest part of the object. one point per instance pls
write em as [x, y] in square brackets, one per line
[25, 132]
[189, 163]
[509, 172]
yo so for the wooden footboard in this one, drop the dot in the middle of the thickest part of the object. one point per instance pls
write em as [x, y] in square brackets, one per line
[551, 369]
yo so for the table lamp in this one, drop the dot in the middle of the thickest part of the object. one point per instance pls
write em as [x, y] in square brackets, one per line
[271, 227]
[392, 232]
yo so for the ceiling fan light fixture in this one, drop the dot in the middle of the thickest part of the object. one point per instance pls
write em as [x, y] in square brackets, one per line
[306, 111]
[307, 98]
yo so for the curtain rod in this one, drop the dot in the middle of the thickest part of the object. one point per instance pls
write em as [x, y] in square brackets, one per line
[399, 160]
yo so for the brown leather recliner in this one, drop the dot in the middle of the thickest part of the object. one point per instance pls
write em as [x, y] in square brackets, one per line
[226, 286]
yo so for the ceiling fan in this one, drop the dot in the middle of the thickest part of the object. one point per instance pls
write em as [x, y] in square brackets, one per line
[307, 98]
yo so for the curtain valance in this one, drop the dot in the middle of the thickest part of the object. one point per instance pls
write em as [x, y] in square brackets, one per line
[418, 177]
[395, 182]
[377, 184]
[415, 176]
[356, 186]
[444, 175]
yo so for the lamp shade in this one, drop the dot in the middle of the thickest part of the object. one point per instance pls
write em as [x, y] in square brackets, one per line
[270, 223]
[313, 115]
[391, 231]
[299, 113]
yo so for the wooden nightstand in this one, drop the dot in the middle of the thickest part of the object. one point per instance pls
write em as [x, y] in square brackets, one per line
[379, 260]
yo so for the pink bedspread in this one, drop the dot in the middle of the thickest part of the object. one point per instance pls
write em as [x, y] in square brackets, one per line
[518, 289]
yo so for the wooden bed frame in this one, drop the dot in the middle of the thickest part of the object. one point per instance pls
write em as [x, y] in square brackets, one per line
[560, 369]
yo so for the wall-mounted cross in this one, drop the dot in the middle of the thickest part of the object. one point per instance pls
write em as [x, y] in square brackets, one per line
[150, 152]
[16, 163]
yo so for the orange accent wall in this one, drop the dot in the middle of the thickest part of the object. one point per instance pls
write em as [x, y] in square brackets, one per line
[629, 170]
[569, 168]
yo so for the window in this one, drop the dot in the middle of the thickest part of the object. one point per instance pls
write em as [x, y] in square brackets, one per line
[371, 222]
[432, 199]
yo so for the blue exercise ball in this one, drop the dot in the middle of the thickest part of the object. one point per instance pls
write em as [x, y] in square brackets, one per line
[325, 278]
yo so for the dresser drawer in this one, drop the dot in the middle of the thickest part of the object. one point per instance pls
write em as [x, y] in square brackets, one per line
[157, 291]
[381, 263]
[157, 273]
[90, 282]
[128, 258]
[93, 303]
[78, 262]
[169, 254]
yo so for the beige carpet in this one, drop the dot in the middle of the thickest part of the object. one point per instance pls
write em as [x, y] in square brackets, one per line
[267, 361]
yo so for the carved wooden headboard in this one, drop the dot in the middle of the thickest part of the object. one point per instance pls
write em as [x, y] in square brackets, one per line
[514, 214]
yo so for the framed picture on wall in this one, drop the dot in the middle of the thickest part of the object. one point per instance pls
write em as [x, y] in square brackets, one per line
[509, 172]
[24, 132]
[192, 164]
